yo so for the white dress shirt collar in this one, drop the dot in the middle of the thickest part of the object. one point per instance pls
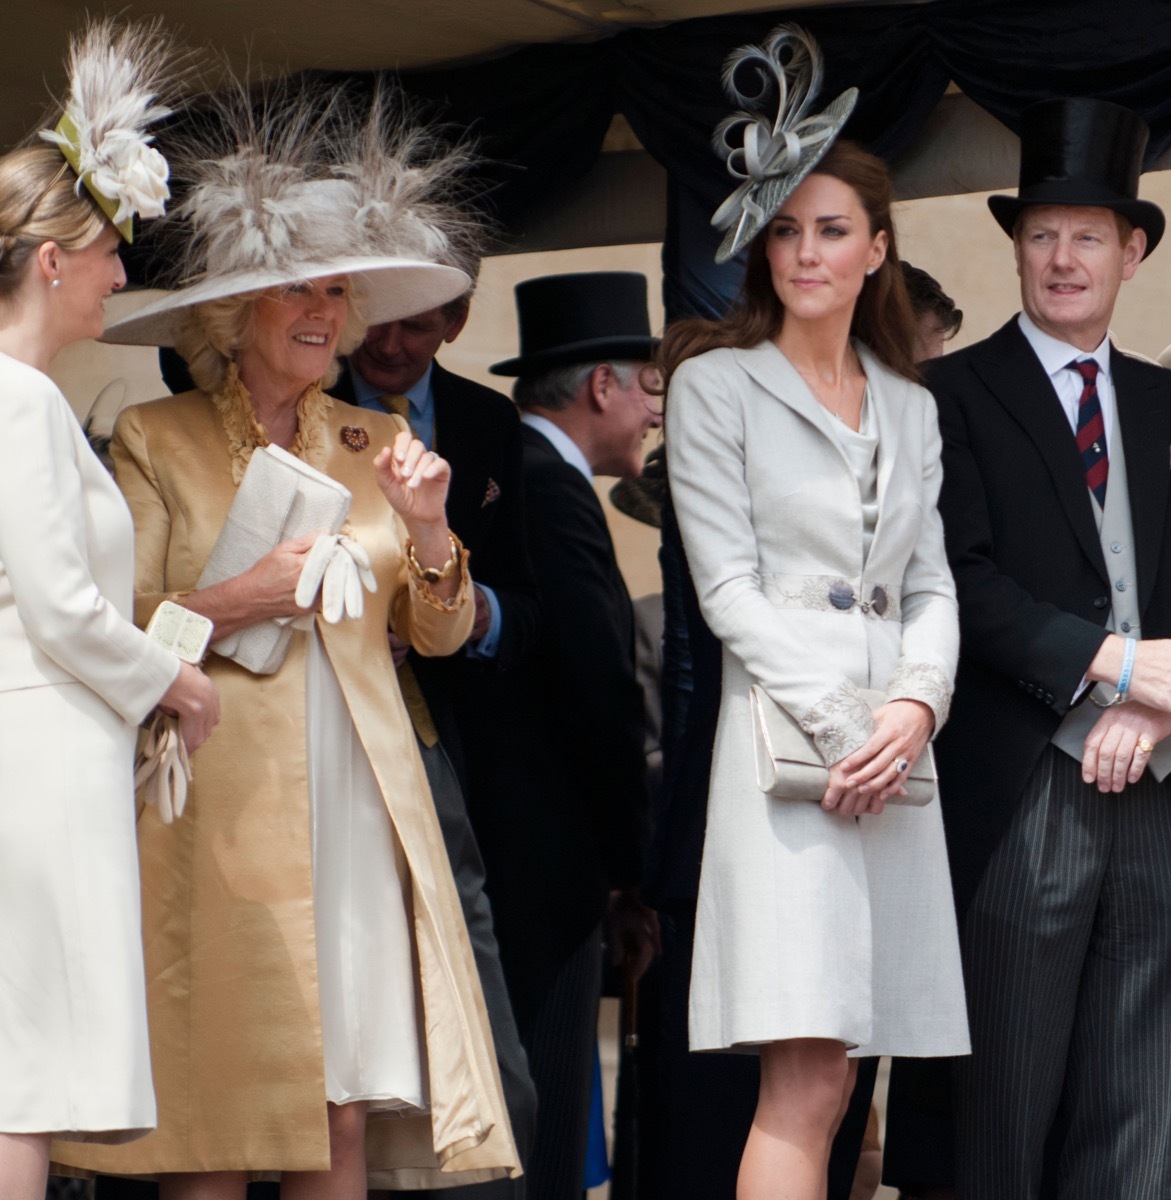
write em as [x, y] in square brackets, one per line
[1055, 356]
[562, 442]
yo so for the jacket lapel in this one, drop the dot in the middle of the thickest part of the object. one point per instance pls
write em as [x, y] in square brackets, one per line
[1016, 380]
[1144, 419]
[773, 372]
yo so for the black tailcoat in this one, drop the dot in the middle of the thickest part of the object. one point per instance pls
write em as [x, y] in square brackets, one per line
[568, 771]
[1034, 590]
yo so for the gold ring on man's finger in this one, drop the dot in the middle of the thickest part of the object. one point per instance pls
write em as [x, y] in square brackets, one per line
[1146, 745]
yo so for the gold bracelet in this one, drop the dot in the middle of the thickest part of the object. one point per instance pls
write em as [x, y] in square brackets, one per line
[434, 575]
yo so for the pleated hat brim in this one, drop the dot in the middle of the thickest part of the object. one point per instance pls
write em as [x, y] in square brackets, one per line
[392, 288]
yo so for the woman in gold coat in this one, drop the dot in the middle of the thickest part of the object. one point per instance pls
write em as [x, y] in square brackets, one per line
[314, 1007]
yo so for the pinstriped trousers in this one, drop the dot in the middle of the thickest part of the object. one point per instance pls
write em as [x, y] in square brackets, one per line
[1067, 957]
[560, 1038]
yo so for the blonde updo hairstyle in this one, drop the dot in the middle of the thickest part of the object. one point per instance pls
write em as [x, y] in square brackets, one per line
[39, 202]
[216, 331]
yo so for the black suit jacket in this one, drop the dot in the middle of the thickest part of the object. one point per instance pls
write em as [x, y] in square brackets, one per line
[1034, 590]
[478, 431]
[563, 817]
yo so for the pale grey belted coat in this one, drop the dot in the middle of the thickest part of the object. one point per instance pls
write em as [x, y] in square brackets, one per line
[811, 924]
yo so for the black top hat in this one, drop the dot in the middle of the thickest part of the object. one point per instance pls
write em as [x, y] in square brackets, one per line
[1083, 152]
[591, 317]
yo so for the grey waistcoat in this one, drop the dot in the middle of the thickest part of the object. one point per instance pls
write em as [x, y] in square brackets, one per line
[1117, 538]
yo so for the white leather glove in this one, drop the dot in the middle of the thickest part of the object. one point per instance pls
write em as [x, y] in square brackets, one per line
[162, 769]
[340, 568]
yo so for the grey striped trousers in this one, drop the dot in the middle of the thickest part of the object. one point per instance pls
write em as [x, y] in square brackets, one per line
[1067, 956]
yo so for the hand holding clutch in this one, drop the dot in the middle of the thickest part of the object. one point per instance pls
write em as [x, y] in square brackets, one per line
[789, 766]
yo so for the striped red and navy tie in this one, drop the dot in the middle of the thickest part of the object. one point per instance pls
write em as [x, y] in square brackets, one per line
[1091, 430]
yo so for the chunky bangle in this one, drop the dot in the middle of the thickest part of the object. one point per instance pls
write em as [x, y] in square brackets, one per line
[1128, 653]
[434, 575]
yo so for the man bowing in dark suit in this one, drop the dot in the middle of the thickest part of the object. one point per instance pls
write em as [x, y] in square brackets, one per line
[478, 431]
[568, 823]
[1057, 512]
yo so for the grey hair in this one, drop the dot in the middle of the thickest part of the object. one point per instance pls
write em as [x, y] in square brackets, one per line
[557, 388]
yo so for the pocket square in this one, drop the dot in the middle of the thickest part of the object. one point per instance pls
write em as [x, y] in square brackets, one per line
[493, 493]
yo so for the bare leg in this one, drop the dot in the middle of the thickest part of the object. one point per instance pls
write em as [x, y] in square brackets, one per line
[805, 1086]
[24, 1165]
[346, 1177]
[204, 1185]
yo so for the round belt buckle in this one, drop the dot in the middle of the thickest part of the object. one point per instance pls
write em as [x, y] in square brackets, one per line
[841, 595]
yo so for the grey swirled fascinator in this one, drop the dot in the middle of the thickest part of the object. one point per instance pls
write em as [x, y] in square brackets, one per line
[772, 156]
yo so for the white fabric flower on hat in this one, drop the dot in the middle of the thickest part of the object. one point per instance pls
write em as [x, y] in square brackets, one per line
[132, 174]
[115, 74]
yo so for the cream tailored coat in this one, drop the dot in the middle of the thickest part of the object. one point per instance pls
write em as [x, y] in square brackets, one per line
[810, 924]
[76, 677]
[228, 909]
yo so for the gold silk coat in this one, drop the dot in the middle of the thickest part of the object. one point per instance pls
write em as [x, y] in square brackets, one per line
[228, 914]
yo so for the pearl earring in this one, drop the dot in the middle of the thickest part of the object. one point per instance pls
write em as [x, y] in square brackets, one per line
[869, 270]
[55, 283]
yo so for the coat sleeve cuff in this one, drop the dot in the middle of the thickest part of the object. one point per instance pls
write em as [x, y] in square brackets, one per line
[924, 682]
[839, 723]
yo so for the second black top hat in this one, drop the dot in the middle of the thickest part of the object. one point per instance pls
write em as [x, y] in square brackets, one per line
[1082, 152]
[586, 317]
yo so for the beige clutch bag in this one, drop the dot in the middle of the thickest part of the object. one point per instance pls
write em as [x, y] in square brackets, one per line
[280, 497]
[789, 766]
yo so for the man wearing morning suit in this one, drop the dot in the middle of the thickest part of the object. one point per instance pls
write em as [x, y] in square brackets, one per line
[478, 432]
[569, 768]
[1056, 506]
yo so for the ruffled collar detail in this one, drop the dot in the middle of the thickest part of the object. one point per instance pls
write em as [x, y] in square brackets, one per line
[246, 433]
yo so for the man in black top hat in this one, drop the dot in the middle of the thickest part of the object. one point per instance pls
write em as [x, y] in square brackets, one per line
[1057, 512]
[564, 836]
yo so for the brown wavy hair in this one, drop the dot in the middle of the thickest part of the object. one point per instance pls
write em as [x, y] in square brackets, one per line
[883, 318]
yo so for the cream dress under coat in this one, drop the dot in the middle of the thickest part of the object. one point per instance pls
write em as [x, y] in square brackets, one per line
[76, 677]
[810, 924]
[233, 962]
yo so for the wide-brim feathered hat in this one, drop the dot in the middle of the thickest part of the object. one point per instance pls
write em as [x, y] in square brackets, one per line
[117, 74]
[300, 191]
[771, 157]
[1084, 152]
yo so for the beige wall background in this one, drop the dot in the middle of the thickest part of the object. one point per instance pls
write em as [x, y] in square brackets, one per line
[952, 237]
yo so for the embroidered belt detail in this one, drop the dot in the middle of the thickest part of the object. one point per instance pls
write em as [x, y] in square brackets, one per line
[831, 593]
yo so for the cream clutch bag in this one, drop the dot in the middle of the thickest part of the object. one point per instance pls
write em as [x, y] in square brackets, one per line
[789, 766]
[280, 497]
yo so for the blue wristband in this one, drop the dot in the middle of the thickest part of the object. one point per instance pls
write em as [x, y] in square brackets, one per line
[1127, 667]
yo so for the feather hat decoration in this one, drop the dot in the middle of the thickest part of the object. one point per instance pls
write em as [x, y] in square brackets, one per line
[116, 74]
[294, 189]
[409, 188]
[771, 157]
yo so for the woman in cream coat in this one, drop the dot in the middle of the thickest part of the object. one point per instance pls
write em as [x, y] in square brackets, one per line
[76, 677]
[803, 466]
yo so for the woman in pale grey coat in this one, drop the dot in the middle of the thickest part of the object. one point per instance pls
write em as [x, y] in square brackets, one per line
[804, 468]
